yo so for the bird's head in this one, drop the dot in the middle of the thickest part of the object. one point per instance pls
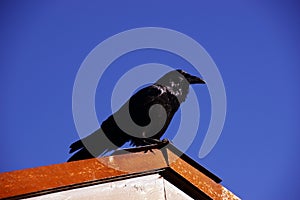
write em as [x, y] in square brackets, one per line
[178, 81]
[190, 78]
[179, 77]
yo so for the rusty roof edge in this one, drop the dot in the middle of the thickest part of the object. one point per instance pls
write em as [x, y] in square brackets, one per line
[195, 164]
[176, 151]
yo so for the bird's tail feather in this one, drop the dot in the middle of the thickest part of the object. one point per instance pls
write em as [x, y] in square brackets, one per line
[93, 145]
[76, 146]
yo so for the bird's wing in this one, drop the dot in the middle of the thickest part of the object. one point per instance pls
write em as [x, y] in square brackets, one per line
[141, 102]
[111, 136]
[143, 110]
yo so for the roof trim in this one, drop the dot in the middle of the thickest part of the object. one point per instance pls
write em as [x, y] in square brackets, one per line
[121, 165]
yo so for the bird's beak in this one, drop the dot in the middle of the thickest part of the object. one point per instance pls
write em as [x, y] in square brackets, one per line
[194, 79]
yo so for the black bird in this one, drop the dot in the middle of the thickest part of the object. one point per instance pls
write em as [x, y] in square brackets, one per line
[142, 120]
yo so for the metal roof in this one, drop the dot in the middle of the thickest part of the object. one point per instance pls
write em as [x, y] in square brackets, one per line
[166, 160]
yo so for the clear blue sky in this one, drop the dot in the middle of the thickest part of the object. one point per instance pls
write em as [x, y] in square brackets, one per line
[255, 46]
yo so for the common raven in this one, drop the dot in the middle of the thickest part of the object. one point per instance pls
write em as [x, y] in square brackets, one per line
[142, 120]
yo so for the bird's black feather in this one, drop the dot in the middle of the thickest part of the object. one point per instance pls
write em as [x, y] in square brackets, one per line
[168, 92]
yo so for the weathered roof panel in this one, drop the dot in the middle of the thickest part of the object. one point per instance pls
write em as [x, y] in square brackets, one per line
[168, 161]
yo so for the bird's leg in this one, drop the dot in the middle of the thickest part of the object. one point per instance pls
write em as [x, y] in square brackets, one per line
[148, 141]
[154, 141]
[151, 140]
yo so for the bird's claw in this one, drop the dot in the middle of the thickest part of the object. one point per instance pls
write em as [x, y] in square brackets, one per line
[148, 150]
[165, 141]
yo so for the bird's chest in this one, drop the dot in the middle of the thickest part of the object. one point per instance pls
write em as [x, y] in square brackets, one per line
[160, 108]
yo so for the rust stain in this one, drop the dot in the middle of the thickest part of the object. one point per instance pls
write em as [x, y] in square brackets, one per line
[53, 176]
